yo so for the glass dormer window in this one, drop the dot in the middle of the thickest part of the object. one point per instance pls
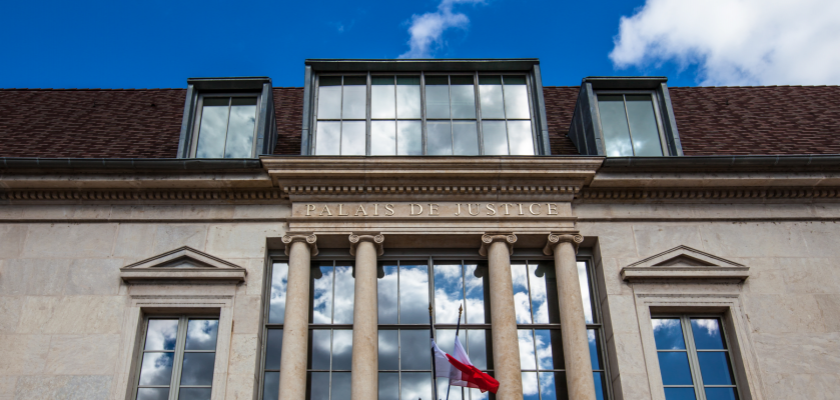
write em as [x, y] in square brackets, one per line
[227, 127]
[631, 124]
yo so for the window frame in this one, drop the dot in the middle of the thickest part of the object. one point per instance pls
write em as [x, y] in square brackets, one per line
[266, 326]
[655, 99]
[199, 109]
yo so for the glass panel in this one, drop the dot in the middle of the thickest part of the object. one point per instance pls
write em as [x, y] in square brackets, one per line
[201, 334]
[449, 293]
[516, 98]
[594, 351]
[277, 299]
[495, 138]
[353, 138]
[583, 276]
[383, 140]
[514, 80]
[271, 386]
[445, 339]
[383, 100]
[520, 137]
[354, 98]
[414, 350]
[668, 334]
[490, 90]
[720, 394]
[388, 348]
[519, 274]
[416, 385]
[414, 295]
[454, 391]
[679, 394]
[439, 139]
[342, 348]
[153, 394]
[530, 386]
[476, 287]
[714, 368]
[408, 97]
[240, 135]
[319, 386]
[355, 80]
[341, 386]
[156, 369]
[544, 293]
[330, 81]
[409, 138]
[549, 347]
[329, 100]
[198, 369]
[674, 368]
[463, 99]
[477, 348]
[212, 129]
[194, 394]
[437, 100]
[389, 385]
[527, 356]
[600, 385]
[707, 334]
[322, 294]
[547, 383]
[386, 290]
[327, 138]
[643, 125]
[273, 347]
[466, 138]
[319, 357]
[614, 124]
[161, 334]
[344, 295]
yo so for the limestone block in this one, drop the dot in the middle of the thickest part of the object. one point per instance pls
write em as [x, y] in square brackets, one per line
[34, 277]
[23, 354]
[656, 238]
[246, 314]
[135, 242]
[634, 386]
[262, 211]
[805, 353]
[94, 277]
[66, 387]
[821, 238]
[810, 275]
[82, 354]
[612, 276]
[71, 315]
[89, 211]
[7, 387]
[55, 211]
[172, 236]
[241, 240]
[205, 212]
[69, 240]
[766, 276]
[10, 309]
[802, 386]
[12, 237]
[240, 387]
[166, 211]
[243, 354]
[254, 279]
[830, 308]
[622, 313]
[614, 239]
[784, 313]
[628, 357]
[752, 239]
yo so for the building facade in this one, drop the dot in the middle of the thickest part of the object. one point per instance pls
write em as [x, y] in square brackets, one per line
[617, 240]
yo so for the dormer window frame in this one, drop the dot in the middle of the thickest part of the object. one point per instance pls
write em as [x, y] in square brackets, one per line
[663, 140]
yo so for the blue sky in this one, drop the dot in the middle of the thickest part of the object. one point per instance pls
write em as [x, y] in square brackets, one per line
[134, 44]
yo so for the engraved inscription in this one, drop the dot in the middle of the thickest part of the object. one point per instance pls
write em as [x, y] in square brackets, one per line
[431, 210]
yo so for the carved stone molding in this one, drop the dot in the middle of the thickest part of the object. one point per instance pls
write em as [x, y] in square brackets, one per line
[306, 237]
[134, 195]
[183, 265]
[488, 238]
[344, 190]
[556, 238]
[683, 194]
[376, 238]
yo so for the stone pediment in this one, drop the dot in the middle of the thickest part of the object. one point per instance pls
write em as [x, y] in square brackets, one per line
[183, 264]
[684, 263]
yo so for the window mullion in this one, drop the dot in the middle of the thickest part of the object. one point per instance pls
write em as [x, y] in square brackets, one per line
[629, 129]
[451, 120]
[477, 95]
[227, 126]
[423, 112]
[528, 282]
[504, 112]
[178, 363]
[368, 112]
[693, 363]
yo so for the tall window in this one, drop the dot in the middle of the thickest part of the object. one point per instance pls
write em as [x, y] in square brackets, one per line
[331, 330]
[274, 317]
[424, 114]
[540, 340]
[178, 359]
[630, 123]
[226, 127]
[694, 358]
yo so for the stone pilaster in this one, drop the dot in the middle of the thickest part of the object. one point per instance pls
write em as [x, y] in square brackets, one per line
[365, 372]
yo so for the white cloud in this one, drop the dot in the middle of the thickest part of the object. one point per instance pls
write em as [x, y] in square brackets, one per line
[736, 42]
[427, 30]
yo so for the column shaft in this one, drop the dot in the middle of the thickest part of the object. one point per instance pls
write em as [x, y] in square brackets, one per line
[365, 373]
[508, 370]
[295, 325]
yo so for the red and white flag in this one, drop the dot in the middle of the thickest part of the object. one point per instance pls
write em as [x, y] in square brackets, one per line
[460, 370]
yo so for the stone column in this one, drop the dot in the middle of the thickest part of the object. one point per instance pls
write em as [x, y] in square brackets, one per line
[299, 248]
[572, 318]
[365, 372]
[498, 248]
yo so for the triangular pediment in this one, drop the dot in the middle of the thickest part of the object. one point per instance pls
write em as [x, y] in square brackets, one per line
[183, 264]
[685, 263]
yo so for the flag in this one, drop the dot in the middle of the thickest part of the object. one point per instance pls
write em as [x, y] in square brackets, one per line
[460, 370]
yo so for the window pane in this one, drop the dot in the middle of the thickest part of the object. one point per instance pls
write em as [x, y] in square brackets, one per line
[519, 274]
[600, 385]
[322, 294]
[409, 138]
[449, 293]
[674, 368]
[549, 347]
[527, 352]
[355, 80]
[544, 293]
[408, 97]
[194, 394]
[668, 333]
[201, 334]
[340, 386]
[416, 385]
[439, 139]
[156, 369]
[271, 386]
[383, 141]
[273, 346]
[437, 100]
[516, 99]
[153, 394]
[327, 138]
[445, 339]
[389, 385]
[319, 357]
[707, 334]
[614, 124]
[414, 294]
[492, 105]
[514, 80]
[330, 81]
[463, 100]
[344, 295]
[495, 138]
[240, 134]
[530, 387]
[478, 348]
[548, 381]
[198, 369]
[414, 350]
[714, 367]
[466, 138]
[583, 276]
[329, 101]
[382, 102]
[212, 129]
[386, 288]
[679, 394]
[342, 348]
[319, 386]
[277, 301]
[720, 394]
[353, 138]
[388, 350]
[161, 334]
[643, 125]
[476, 285]
[521, 139]
[454, 391]
[594, 348]
[354, 101]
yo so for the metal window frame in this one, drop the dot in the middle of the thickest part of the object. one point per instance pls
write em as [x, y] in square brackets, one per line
[657, 114]
[199, 110]
[179, 351]
[266, 326]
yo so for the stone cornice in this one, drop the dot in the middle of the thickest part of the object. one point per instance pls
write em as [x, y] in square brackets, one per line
[688, 194]
[142, 195]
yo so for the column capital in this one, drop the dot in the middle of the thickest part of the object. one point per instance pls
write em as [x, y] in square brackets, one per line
[376, 238]
[555, 239]
[488, 238]
[305, 237]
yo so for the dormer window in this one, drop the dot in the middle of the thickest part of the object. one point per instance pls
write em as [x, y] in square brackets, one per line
[227, 126]
[630, 122]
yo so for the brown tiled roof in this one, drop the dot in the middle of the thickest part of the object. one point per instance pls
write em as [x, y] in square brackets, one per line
[288, 109]
[559, 107]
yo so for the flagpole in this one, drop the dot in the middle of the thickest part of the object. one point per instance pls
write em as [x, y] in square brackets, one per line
[457, 329]
[431, 338]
